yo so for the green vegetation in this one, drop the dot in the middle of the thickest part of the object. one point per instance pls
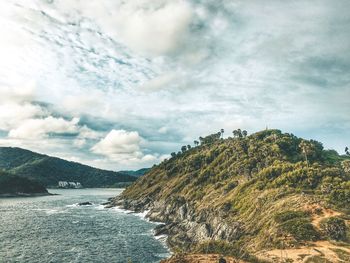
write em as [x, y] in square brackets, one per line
[298, 224]
[266, 181]
[225, 249]
[288, 215]
[317, 259]
[136, 173]
[15, 185]
[334, 228]
[120, 185]
[301, 229]
[49, 170]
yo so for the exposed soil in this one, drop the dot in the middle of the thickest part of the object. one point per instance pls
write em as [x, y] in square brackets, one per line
[200, 258]
[323, 251]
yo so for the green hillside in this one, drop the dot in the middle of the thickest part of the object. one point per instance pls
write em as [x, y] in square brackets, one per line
[247, 194]
[137, 173]
[49, 170]
[15, 185]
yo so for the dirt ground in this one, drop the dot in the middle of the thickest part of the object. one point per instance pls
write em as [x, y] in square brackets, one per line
[200, 258]
[314, 252]
[323, 251]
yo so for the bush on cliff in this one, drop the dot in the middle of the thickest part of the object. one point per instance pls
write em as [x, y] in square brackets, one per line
[334, 227]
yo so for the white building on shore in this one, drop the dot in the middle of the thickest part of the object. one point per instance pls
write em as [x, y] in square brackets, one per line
[65, 184]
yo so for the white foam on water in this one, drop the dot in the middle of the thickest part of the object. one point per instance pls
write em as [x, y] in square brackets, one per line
[100, 207]
[50, 211]
[143, 216]
[54, 211]
[73, 205]
[122, 210]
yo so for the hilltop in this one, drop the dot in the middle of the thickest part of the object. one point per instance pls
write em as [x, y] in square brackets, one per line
[48, 170]
[250, 197]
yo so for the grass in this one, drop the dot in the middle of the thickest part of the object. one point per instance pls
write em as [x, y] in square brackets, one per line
[261, 181]
[317, 259]
[342, 254]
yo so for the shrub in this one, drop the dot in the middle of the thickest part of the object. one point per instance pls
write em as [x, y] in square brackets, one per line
[341, 196]
[231, 186]
[334, 227]
[226, 249]
[301, 229]
[288, 215]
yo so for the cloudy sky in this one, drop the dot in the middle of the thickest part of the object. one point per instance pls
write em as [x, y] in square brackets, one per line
[121, 84]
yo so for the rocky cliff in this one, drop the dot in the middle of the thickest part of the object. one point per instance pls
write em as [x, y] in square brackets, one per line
[245, 194]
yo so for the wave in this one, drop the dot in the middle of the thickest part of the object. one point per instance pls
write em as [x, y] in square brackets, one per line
[143, 216]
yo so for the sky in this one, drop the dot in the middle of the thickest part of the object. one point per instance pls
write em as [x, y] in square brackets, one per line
[121, 84]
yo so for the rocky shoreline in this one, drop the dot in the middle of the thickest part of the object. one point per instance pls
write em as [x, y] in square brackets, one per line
[181, 222]
[24, 195]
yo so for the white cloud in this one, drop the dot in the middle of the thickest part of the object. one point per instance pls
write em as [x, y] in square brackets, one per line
[119, 142]
[124, 148]
[37, 128]
[83, 102]
[163, 130]
[87, 133]
[148, 26]
[14, 114]
[157, 30]
[160, 82]
[79, 143]
[17, 94]
[223, 64]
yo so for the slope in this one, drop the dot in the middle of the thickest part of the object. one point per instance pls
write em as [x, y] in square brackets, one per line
[246, 194]
[12, 185]
[49, 170]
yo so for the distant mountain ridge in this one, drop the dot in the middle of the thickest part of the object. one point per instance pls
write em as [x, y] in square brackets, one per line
[137, 173]
[49, 170]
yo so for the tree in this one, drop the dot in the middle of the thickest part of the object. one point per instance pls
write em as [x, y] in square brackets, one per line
[347, 150]
[307, 148]
[173, 154]
[235, 133]
[244, 133]
[189, 147]
[196, 143]
[183, 148]
[201, 140]
[239, 133]
[210, 138]
[222, 133]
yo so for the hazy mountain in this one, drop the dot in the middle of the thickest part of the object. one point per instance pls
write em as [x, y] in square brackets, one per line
[243, 195]
[49, 170]
[136, 173]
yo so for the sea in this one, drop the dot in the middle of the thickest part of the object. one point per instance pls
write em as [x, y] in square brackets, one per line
[56, 229]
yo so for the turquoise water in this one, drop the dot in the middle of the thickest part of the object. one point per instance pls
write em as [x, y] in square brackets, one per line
[55, 229]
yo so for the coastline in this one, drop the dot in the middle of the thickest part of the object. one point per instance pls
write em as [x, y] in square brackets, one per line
[143, 215]
[162, 231]
[9, 195]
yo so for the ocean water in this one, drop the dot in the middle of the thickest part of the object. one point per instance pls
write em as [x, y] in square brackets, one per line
[54, 229]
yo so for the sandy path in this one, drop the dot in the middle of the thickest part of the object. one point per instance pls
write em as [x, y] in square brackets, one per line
[199, 258]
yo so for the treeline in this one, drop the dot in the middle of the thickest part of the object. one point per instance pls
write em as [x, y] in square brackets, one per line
[209, 139]
[12, 184]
